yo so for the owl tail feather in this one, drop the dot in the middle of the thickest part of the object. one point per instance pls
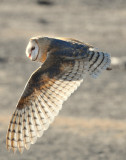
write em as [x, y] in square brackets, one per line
[99, 61]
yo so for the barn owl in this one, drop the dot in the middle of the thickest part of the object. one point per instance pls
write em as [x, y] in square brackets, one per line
[65, 63]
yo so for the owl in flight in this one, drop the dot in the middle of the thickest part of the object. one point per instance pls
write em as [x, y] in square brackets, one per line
[65, 63]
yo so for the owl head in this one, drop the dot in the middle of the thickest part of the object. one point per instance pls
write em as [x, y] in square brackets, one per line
[37, 48]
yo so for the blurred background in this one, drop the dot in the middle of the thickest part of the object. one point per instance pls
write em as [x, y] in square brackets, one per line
[92, 123]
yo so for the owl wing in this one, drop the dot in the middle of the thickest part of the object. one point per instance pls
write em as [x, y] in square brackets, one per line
[96, 61]
[45, 93]
[42, 100]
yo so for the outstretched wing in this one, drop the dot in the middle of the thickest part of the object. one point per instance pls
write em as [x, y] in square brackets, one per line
[73, 49]
[45, 93]
[41, 101]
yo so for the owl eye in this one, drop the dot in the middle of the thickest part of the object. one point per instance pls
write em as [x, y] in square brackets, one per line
[33, 48]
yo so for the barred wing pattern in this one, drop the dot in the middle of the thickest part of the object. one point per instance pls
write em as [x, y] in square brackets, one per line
[98, 61]
[37, 109]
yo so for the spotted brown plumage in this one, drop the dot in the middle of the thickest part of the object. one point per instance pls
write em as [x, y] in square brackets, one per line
[65, 63]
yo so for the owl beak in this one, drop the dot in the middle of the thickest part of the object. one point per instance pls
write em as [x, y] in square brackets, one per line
[29, 55]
